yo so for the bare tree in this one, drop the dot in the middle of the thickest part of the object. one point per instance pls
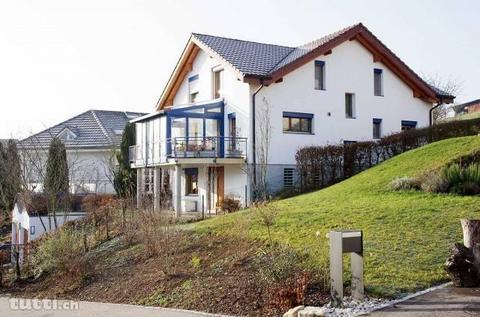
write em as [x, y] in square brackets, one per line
[450, 86]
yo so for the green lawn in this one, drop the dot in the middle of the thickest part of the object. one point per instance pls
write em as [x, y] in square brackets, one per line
[406, 234]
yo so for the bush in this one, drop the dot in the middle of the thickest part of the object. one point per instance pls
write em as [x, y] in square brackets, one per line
[230, 204]
[434, 182]
[463, 180]
[276, 264]
[405, 183]
[320, 166]
[59, 251]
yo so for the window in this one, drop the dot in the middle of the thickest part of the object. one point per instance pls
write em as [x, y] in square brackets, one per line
[217, 83]
[148, 180]
[378, 82]
[232, 125]
[191, 181]
[346, 142]
[32, 230]
[193, 88]
[407, 125]
[350, 106]
[288, 177]
[297, 122]
[377, 128]
[320, 75]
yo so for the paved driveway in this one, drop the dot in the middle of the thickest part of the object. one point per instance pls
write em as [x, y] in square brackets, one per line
[443, 302]
[12, 308]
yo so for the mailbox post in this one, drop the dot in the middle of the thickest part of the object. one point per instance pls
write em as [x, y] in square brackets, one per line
[346, 241]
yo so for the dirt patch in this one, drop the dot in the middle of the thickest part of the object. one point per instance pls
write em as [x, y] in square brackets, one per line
[209, 273]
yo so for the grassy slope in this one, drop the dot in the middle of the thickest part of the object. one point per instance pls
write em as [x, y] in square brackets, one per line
[407, 234]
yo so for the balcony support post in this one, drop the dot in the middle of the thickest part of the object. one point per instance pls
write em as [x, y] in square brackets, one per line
[139, 187]
[178, 190]
[156, 189]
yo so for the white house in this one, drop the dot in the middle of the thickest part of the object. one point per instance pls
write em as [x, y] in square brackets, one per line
[204, 142]
[90, 139]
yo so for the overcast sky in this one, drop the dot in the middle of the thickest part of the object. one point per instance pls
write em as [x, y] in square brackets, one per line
[60, 58]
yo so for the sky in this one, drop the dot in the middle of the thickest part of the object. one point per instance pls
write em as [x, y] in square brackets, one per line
[60, 58]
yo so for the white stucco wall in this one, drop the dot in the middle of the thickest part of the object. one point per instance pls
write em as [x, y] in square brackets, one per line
[349, 69]
[91, 169]
[236, 93]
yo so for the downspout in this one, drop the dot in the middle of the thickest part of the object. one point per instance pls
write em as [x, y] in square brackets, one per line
[254, 143]
[433, 108]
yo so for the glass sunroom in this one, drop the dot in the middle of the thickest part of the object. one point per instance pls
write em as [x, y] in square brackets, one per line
[195, 131]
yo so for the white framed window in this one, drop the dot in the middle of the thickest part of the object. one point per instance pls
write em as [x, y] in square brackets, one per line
[378, 82]
[288, 177]
[320, 75]
[350, 106]
[217, 82]
[193, 88]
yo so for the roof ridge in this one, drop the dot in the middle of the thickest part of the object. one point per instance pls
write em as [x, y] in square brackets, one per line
[240, 40]
[336, 33]
[54, 126]
[100, 124]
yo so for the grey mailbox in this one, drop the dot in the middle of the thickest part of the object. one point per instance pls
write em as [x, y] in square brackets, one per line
[346, 241]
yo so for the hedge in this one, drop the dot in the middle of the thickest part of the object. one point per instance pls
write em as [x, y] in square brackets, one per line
[321, 166]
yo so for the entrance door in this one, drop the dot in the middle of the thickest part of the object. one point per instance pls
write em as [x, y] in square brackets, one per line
[220, 186]
[216, 187]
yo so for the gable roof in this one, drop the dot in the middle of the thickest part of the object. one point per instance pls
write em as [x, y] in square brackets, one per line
[267, 63]
[92, 129]
[462, 107]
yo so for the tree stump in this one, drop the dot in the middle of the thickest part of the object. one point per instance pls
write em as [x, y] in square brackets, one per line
[471, 239]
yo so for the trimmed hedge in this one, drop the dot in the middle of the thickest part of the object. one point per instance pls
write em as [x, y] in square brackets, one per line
[321, 166]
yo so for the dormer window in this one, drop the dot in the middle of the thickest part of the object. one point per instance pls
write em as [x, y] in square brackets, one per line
[67, 135]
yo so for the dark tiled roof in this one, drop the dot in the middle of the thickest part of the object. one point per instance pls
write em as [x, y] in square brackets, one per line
[248, 57]
[92, 129]
[259, 59]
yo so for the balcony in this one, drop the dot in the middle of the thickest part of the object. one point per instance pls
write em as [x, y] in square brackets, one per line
[188, 147]
[209, 147]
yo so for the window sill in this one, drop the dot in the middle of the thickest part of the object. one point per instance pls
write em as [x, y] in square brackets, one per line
[350, 117]
[302, 133]
[379, 95]
[192, 196]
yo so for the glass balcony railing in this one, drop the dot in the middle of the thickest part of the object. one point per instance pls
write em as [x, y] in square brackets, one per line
[188, 147]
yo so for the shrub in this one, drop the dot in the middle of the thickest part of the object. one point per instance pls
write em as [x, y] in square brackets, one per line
[230, 204]
[434, 182]
[196, 262]
[276, 264]
[463, 180]
[405, 183]
[320, 166]
[59, 251]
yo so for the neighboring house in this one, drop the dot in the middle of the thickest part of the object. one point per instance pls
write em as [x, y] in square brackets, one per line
[90, 139]
[28, 225]
[468, 107]
[204, 142]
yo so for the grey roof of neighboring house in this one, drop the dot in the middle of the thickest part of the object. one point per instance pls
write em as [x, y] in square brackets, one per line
[260, 59]
[91, 129]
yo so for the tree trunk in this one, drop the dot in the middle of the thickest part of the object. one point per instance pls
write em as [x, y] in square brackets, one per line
[471, 238]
